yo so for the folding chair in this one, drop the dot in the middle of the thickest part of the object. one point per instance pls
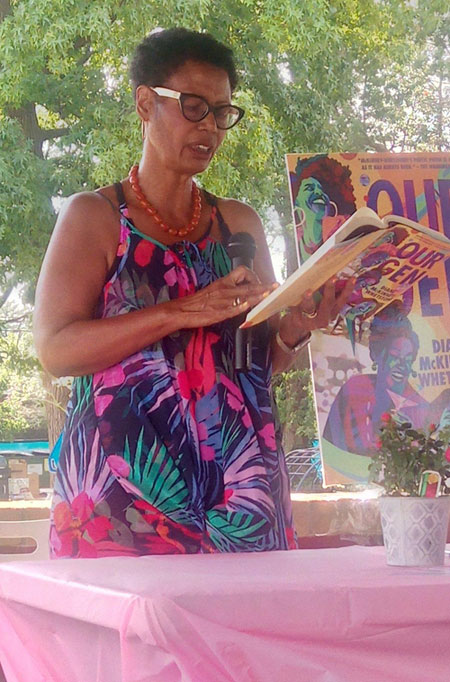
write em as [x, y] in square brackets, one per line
[36, 530]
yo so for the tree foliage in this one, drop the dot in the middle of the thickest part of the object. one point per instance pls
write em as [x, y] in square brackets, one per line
[22, 396]
[316, 75]
[294, 398]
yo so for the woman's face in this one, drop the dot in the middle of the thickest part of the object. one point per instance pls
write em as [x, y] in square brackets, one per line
[312, 197]
[397, 364]
[182, 145]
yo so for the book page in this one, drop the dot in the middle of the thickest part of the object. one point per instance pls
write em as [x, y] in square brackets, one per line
[397, 257]
[312, 275]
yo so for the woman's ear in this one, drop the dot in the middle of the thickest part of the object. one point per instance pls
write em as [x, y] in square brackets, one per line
[144, 102]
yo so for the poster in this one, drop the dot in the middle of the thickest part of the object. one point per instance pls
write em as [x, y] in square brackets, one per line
[399, 359]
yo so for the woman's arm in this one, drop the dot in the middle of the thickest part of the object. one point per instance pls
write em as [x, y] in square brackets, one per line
[294, 326]
[298, 323]
[68, 339]
[241, 217]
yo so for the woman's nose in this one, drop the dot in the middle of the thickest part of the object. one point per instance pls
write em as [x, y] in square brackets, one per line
[209, 122]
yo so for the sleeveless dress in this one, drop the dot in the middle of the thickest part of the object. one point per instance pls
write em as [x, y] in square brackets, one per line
[171, 450]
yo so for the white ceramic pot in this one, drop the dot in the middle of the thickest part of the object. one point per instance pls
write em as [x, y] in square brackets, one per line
[415, 529]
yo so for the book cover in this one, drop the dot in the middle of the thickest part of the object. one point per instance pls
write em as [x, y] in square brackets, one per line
[395, 356]
[385, 256]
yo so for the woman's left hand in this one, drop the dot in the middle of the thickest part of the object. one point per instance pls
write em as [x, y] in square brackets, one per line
[308, 316]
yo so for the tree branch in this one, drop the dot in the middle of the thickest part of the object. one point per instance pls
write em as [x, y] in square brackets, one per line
[78, 45]
[53, 133]
[27, 118]
[18, 318]
[4, 297]
[440, 117]
[5, 9]
[376, 146]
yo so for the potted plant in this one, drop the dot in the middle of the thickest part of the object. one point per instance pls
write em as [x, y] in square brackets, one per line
[413, 467]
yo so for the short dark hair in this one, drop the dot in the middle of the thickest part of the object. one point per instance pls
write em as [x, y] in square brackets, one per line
[161, 53]
[332, 175]
[388, 325]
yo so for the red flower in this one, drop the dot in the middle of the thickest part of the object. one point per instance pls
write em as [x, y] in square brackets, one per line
[198, 377]
[432, 428]
[447, 454]
[166, 536]
[79, 528]
[226, 495]
[159, 521]
[190, 380]
[143, 252]
[290, 536]
[386, 417]
[106, 289]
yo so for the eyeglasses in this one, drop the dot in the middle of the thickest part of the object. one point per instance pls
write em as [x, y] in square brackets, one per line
[195, 108]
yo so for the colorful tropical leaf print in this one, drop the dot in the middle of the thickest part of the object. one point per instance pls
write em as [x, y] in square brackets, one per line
[155, 474]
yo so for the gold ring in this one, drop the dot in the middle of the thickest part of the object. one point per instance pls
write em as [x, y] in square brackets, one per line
[237, 301]
[310, 315]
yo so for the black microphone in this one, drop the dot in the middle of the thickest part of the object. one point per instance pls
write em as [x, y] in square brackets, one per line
[241, 249]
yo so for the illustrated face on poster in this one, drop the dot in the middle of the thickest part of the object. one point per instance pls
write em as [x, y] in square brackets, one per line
[323, 198]
[312, 199]
[397, 365]
[355, 415]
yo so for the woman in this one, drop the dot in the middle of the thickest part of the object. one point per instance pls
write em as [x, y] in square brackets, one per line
[166, 447]
[355, 415]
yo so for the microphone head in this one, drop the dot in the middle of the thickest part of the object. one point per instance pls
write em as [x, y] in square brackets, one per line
[241, 245]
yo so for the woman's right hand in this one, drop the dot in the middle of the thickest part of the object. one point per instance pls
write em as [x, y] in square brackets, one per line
[225, 298]
[71, 340]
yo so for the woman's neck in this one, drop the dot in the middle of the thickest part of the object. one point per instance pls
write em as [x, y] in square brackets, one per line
[167, 191]
[308, 248]
[312, 231]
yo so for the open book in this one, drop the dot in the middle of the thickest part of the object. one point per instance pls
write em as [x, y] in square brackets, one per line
[387, 256]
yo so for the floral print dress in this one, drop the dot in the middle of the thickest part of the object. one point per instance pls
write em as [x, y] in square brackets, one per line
[171, 450]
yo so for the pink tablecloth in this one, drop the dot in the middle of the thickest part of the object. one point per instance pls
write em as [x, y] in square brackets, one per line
[332, 615]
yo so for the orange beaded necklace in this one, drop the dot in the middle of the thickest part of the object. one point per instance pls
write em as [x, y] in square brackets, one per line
[151, 210]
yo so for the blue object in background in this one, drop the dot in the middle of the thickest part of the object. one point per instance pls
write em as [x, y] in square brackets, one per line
[23, 445]
[29, 452]
[53, 457]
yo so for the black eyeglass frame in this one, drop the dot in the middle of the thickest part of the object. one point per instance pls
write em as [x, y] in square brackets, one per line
[181, 96]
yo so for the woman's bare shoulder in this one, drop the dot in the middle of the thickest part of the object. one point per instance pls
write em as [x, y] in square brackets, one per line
[90, 206]
[239, 216]
[87, 218]
[90, 215]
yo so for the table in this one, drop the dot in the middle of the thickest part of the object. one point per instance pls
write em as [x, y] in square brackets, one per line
[330, 615]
